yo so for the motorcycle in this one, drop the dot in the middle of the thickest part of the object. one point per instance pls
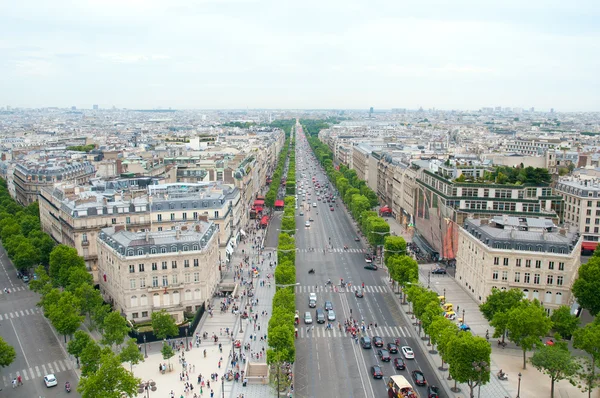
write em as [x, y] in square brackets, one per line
[68, 387]
[311, 271]
[502, 376]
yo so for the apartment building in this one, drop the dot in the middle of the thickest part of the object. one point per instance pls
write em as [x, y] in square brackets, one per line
[582, 207]
[534, 146]
[360, 160]
[173, 270]
[31, 177]
[74, 215]
[530, 254]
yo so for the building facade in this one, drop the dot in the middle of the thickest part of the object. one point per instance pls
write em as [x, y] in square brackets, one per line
[530, 254]
[143, 272]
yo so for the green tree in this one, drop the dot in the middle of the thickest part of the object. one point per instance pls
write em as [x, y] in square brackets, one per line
[526, 324]
[586, 287]
[288, 225]
[42, 284]
[464, 351]
[563, 322]
[131, 353]
[281, 339]
[26, 256]
[167, 353]
[79, 277]
[64, 315]
[111, 380]
[497, 305]
[163, 325]
[115, 328]
[63, 261]
[99, 313]
[89, 298]
[403, 270]
[393, 246]
[587, 339]
[44, 243]
[29, 224]
[7, 353]
[90, 358]
[556, 362]
[78, 343]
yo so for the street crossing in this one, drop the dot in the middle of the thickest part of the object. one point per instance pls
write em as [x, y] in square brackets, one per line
[38, 372]
[14, 289]
[334, 250]
[388, 333]
[328, 289]
[21, 313]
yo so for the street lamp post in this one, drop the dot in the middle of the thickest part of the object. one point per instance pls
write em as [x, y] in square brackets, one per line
[480, 367]
[223, 386]
[147, 386]
[187, 347]
[445, 296]
[519, 386]
[463, 316]
[145, 350]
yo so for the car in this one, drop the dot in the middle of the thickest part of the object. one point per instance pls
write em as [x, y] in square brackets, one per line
[464, 327]
[433, 392]
[307, 224]
[368, 258]
[358, 293]
[392, 348]
[376, 372]
[307, 318]
[365, 342]
[25, 278]
[438, 271]
[301, 213]
[328, 305]
[384, 355]
[50, 380]
[356, 239]
[377, 341]
[371, 266]
[320, 316]
[314, 204]
[312, 303]
[331, 315]
[311, 219]
[399, 364]
[312, 296]
[419, 378]
[331, 208]
[408, 352]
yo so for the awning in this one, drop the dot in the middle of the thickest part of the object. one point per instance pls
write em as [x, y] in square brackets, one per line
[589, 246]
[279, 203]
[258, 202]
[264, 220]
[385, 209]
[229, 250]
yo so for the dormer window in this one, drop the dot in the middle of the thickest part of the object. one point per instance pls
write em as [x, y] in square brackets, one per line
[173, 249]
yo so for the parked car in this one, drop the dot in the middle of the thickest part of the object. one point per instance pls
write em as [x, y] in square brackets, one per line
[438, 271]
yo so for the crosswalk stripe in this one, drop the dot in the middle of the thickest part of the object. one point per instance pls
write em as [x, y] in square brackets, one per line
[44, 369]
[5, 381]
[22, 313]
[37, 371]
[32, 374]
[57, 366]
[1, 317]
[24, 374]
[11, 315]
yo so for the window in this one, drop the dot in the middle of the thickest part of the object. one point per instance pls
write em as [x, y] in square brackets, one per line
[155, 281]
[186, 263]
[153, 250]
[496, 260]
[128, 220]
[164, 265]
[174, 279]
[195, 262]
[587, 229]
[114, 221]
[131, 268]
[536, 279]
[165, 280]
[495, 275]
[216, 214]
[587, 220]
[173, 248]
[132, 283]
[550, 279]
[187, 278]
[172, 216]
[538, 263]
[518, 262]
[527, 276]
[84, 238]
[185, 216]
[144, 314]
[163, 249]
[134, 315]
[505, 261]
[504, 276]
[517, 277]
[186, 248]
[550, 264]
[561, 266]
[196, 277]
[528, 263]
[141, 267]
[173, 264]
[589, 203]
[143, 282]
[159, 217]
[154, 266]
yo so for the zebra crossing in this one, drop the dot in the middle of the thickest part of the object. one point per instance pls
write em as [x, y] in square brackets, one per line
[328, 289]
[14, 289]
[19, 314]
[334, 250]
[39, 371]
[320, 332]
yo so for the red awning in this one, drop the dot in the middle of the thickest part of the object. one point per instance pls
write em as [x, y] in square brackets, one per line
[589, 245]
[258, 202]
[264, 220]
[385, 209]
[279, 203]
[257, 209]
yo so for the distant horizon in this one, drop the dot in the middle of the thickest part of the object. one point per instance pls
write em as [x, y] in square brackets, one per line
[270, 54]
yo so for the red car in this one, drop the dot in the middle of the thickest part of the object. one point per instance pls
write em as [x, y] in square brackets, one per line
[331, 208]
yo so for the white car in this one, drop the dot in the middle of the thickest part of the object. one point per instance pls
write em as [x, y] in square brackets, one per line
[312, 296]
[307, 318]
[330, 315]
[408, 352]
[50, 380]
[314, 204]
[307, 224]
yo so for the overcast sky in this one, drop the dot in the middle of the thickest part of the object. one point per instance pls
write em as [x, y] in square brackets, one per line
[461, 54]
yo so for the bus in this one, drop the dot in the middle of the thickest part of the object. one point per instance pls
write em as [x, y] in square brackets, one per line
[399, 387]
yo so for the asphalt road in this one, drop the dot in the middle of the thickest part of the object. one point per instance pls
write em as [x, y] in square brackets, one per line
[22, 325]
[329, 362]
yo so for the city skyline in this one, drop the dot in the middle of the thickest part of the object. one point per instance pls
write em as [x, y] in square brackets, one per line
[238, 54]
